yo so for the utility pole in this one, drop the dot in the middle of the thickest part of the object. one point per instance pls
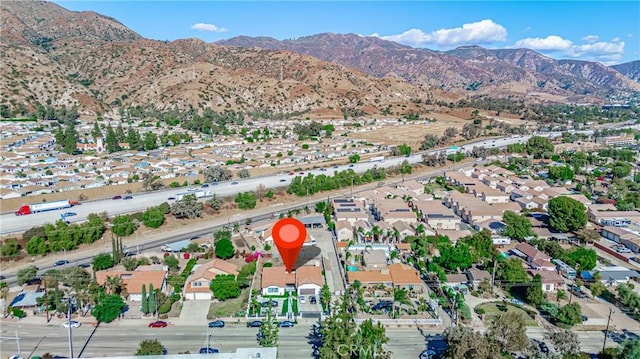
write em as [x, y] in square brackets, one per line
[69, 327]
[493, 275]
[606, 331]
[46, 303]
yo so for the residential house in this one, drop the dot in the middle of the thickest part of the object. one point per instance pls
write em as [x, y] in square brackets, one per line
[277, 281]
[132, 281]
[476, 276]
[371, 278]
[405, 277]
[536, 259]
[414, 187]
[403, 229]
[551, 281]
[344, 231]
[197, 285]
[309, 280]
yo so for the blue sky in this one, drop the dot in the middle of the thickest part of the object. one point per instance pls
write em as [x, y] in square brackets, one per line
[604, 31]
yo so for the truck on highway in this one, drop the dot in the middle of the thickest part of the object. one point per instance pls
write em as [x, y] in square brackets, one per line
[44, 206]
[376, 159]
[197, 193]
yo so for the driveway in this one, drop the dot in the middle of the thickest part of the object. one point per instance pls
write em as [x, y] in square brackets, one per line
[194, 312]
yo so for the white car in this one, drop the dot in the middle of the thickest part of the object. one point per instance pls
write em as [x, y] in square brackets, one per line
[72, 324]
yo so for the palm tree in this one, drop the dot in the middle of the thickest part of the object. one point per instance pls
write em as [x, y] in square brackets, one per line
[420, 229]
[4, 295]
[400, 297]
[113, 285]
[376, 233]
[254, 306]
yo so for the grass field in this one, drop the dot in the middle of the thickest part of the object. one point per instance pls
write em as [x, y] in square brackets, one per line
[230, 307]
[491, 309]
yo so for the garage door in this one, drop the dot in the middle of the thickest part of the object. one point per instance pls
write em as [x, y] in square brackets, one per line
[307, 291]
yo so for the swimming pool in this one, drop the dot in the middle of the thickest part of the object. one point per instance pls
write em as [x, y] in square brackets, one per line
[352, 268]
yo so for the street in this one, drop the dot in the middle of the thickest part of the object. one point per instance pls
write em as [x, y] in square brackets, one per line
[122, 339]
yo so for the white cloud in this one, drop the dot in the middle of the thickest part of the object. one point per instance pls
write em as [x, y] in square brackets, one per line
[591, 38]
[208, 27]
[591, 50]
[481, 32]
[549, 43]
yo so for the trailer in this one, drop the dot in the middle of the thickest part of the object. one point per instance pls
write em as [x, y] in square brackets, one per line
[376, 159]
[198, 194]
[44, 206]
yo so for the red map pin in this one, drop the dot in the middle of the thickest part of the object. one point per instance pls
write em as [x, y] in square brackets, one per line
[289, 235]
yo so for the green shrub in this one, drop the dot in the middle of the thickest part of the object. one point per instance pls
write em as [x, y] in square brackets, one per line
[480, 311]
[18, 313]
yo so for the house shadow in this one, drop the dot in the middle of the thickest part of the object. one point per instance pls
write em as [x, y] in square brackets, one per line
[307, 254]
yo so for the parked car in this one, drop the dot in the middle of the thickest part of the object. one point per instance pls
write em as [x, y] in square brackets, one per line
[72, 324]
[70, 214]
[351, 165]
[216, 324]
[313, 300]
[283, 180]
[84, 265]
[286, 324]
[208, 350]
[234, 182]
[254, 324]
[128, 197]
[158, 324]
[274, 303]
[205, 185]
[60, 263]
[172, 198]
[117, 197]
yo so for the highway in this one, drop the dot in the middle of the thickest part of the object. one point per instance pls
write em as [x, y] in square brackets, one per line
[39, 338]
[10, 223]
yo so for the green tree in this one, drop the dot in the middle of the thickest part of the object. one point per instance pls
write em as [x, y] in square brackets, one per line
[630, 348]
[454, 257]
[111, 141]
[561, 173]
[134, 140]
[583, 256]
[123, 226]
[150, 141]
[244, 173]
[224, 286]
[145, 303]
[539, 147]
[596, 287]
[509, 331]
[535, 296]
[96, 133]
[107, 308]
[511, 271]
[566, 214]
[565, 342]
[153, 217]
[325, 296]
[150, 347]
[268, 336]
[224, 248]
[187, 207]
[570, 314]
[153, 299]
[70, 139]
[10, 248]
[354, 158]
[102, 261]
[620, 169]
[518, 226]
[246, 200]
[25, 274]
[171, 262]
[463, 342]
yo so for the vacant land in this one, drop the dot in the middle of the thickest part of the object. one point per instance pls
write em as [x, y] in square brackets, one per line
[230, 307]
[494, 308]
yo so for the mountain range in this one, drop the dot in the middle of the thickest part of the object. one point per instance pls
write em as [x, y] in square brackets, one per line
[53, 56]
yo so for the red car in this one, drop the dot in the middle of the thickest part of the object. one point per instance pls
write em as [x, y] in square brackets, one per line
[158, 324]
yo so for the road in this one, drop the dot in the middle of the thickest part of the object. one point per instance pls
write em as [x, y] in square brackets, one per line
[40, 338]
[10, 223]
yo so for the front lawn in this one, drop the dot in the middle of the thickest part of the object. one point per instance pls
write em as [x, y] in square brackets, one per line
[493, 308]
[229, 307]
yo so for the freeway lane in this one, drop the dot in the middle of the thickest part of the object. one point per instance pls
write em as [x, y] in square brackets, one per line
[10, 223]
[122, 338]
[204, 228]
